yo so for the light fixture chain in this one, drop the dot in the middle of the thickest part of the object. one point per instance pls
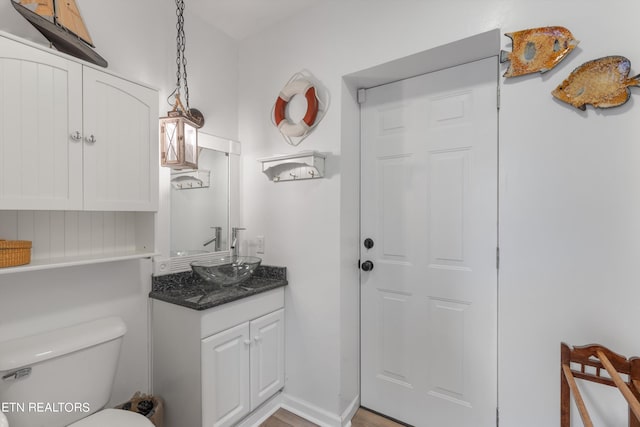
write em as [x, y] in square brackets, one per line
[181, 59]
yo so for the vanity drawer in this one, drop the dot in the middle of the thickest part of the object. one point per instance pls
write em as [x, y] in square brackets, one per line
[225, 316]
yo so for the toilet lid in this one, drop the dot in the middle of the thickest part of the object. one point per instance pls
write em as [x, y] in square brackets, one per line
[113, 417]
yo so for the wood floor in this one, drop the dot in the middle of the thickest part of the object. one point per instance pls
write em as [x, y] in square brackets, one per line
[363, 418]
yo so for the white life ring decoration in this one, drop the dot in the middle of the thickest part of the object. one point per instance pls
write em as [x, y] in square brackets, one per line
[293, 132]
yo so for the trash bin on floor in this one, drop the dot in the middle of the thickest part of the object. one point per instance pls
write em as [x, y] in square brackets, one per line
[148, 405]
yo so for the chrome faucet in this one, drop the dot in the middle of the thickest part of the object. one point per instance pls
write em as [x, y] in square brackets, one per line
[234, 241]
[214, 238]
[210, 241]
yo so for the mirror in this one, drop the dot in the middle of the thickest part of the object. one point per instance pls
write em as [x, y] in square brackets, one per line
[200, 206]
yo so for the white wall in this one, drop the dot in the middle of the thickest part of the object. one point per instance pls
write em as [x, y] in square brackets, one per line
[569, 193]
[138, 40]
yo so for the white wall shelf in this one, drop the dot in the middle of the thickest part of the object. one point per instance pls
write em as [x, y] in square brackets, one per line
[69, 238]
[62, 262]
[293, 167]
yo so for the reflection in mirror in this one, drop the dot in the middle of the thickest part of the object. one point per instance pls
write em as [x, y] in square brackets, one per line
[200, 206]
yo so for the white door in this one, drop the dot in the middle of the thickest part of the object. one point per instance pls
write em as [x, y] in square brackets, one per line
[429, 205]
[267, 357]
[225, 377]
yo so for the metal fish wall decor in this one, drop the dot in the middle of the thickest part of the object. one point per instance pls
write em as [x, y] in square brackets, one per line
[603, 83]
[537, 49]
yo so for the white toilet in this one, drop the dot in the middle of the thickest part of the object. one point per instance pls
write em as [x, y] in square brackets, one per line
[64, 377]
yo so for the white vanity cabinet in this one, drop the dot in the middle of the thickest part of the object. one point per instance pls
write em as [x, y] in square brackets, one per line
[73, 137]
[214, 367]
[241, 368]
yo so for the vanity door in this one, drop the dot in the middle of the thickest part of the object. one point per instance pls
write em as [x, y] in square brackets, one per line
[225, 377]
[267, 357]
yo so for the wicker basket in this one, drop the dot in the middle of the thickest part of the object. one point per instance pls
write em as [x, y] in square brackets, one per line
[147, 405]
[14, 252]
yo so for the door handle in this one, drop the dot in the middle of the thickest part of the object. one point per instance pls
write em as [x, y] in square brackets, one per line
[367, 266]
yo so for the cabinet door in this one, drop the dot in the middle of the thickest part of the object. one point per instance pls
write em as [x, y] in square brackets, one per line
[120, 144]
[267, 357]
[40, 110]
[225, 377]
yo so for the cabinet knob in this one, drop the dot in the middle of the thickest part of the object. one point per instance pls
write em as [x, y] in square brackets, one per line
[91, 139]
[257, 338]
[76, 136]
[247, 342]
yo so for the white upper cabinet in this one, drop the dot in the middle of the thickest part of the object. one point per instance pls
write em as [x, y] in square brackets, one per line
[73, 137]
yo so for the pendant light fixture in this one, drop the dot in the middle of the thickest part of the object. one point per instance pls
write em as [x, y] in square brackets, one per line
[179, 130]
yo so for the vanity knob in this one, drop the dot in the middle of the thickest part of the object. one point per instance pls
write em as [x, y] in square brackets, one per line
[257, 338]
[247, 342]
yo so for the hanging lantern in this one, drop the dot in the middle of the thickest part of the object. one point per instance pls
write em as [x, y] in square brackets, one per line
[179, 142]
[179, 130]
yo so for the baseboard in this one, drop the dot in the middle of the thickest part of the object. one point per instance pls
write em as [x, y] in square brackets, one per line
[310, 412]
[350, 412]
[301, 408]
[261, 414]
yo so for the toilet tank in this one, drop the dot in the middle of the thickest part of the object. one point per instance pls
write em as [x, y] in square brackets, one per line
[57, 377]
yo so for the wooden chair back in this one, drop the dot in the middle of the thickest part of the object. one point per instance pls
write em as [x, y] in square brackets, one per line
[594, 361]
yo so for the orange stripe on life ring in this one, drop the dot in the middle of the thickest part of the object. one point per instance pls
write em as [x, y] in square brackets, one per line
[312, 106]
[279, 110]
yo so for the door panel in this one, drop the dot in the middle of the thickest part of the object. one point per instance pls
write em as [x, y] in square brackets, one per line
[40, 109]
[121, 166]
[267, 357]
[225, 377]
[429, 201]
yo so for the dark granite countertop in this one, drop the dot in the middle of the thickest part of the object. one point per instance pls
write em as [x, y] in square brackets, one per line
[189, 290]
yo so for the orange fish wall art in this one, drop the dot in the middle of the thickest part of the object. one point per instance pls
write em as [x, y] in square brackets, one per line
[603, 83]
[537, 50]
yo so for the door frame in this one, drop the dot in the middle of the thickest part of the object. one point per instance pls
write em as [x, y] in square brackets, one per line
[477, 47]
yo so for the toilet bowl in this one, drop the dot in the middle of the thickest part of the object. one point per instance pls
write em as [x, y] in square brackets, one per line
[113, 417]
[104, 418]
[71, 369]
